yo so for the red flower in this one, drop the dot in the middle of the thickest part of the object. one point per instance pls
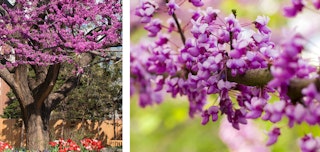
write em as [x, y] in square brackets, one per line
[5, 146]
[53, 144]
[91, 144]
[65, 146]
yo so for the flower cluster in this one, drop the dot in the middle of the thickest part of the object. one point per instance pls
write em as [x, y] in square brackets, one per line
[5, 146]
[91, 144]
[203, 63]
[289, 64]
[67, 28]
[65, 146]
[216, 55]
[146, 10]
[69, 145]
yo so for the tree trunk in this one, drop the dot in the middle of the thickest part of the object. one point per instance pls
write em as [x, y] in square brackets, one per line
[37, 128]
[36, 98]
[37, 134]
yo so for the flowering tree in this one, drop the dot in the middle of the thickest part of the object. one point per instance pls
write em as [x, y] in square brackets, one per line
[36, 37]
[216, 54]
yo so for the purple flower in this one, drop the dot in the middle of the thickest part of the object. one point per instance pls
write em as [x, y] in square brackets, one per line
[274, 112]
[194, 51]
[273, 136]
[163, 39]
[172, 25]
[205, 117]
[255, 107]
[310, 93]
[196, 3]
[299, 113]
[237, 66]
[198, 28]
[291, 11]
[146, 10]
[210, 15]
[223, 36]
[309, 144]
[233, 25]
[261, 24]
[197, 100]
[153, 27]
[316, 4]
[172, 6]
[239, 117]
[225, 85]
[173, 86]
[212, 111]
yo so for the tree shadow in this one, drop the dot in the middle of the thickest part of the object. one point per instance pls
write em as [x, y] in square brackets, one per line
[80, 129]
[12, 132]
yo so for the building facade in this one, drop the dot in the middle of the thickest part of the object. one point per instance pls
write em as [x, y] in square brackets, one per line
[4, 89]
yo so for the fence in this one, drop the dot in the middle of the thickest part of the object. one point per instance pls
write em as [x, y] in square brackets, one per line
[11, 131]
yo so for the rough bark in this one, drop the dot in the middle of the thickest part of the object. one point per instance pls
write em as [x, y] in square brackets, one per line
[37, 131]
[31, 94]
[35, 116]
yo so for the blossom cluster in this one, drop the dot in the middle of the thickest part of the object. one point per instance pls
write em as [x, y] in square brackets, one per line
[65, 146]
[215, 51]
[91, 144]
[202, 66]
[70, 145]
[52, 32]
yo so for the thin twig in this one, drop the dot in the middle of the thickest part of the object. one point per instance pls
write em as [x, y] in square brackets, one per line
[180, 31]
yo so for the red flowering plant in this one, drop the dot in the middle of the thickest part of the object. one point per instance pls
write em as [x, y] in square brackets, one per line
[70, 145]
[64, 146]
[91, 144]
[5, 146]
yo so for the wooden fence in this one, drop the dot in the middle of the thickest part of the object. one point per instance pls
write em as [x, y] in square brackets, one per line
[10, 131]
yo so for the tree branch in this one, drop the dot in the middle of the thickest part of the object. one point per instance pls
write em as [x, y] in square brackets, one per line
[7, 77]
[180, 31]
[255, 77]
[22, 91]
[72, 81]
[261, 77]
[42, 91]
[40, 75]
[57, 96]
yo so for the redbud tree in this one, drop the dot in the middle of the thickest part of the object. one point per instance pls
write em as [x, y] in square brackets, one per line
[212, 53]
[38, 37]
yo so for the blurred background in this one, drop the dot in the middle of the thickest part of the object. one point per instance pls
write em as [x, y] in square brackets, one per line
[167, 126]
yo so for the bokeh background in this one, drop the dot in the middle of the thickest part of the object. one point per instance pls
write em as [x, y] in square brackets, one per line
[167, 127]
